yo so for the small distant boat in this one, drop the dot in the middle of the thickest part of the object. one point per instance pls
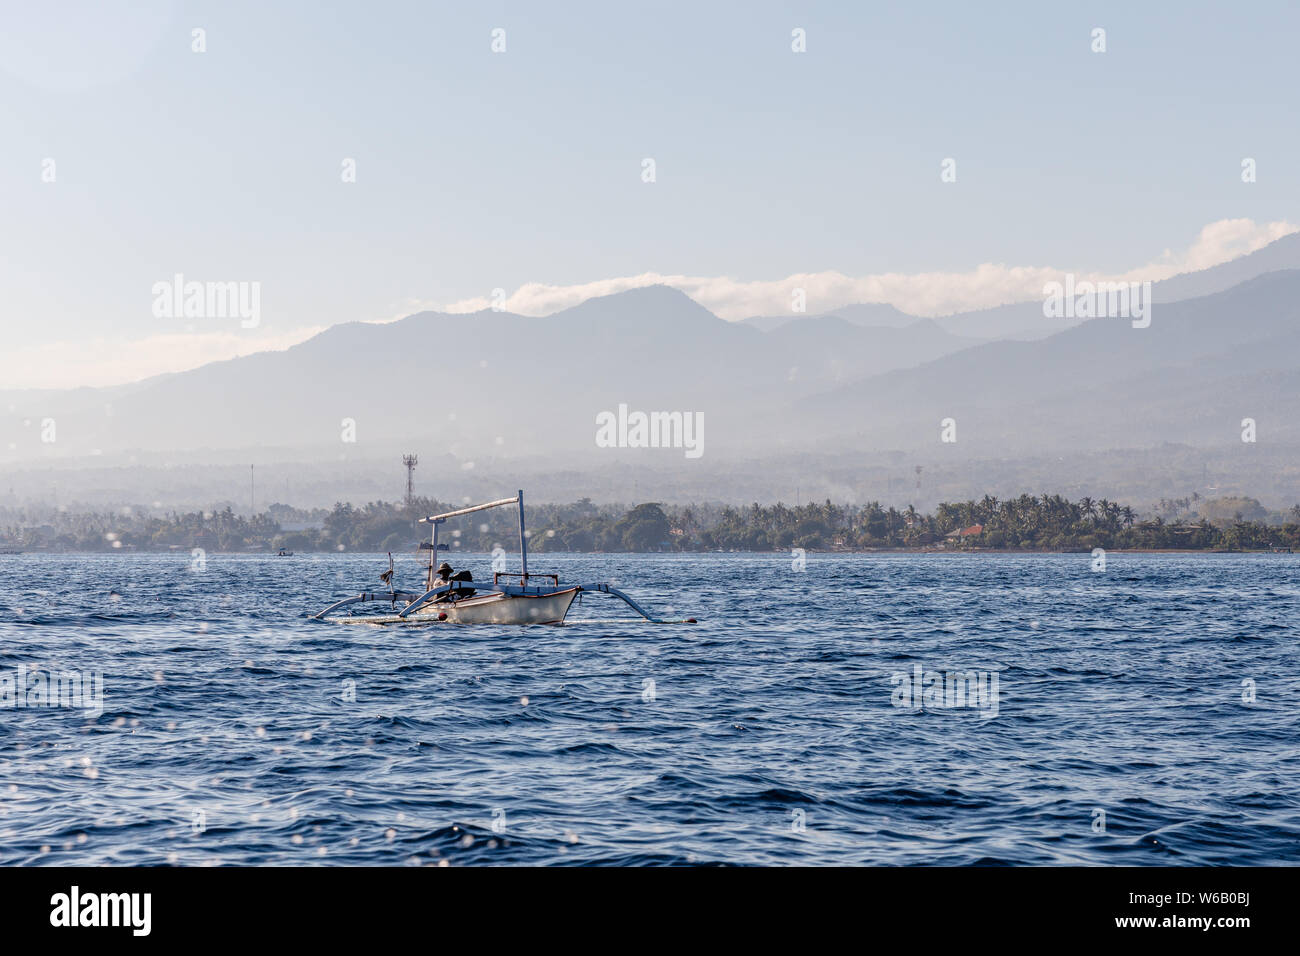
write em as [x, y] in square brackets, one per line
[458, 599]
[284, 554]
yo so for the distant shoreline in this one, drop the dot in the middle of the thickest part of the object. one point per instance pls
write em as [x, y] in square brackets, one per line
[1044, 524]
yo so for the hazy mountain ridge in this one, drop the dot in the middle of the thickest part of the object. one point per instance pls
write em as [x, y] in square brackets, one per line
[1202, 366]
[511, 393]
[465, 380]
[867, 315]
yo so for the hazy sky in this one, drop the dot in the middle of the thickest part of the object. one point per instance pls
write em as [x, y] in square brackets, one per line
[479, 170]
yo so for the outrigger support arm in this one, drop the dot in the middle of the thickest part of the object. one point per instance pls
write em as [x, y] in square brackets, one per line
[423, 599]
[366, 596]
[610, 589]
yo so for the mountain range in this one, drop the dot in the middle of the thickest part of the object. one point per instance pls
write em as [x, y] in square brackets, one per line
[863, 380]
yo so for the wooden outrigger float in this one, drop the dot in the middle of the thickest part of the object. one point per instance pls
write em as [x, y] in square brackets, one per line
[477, 602]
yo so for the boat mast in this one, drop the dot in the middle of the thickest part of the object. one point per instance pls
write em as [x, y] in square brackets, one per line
[433, 555]
[523, 538]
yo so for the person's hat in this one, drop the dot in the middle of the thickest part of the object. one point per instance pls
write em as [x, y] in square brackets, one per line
[444, 566]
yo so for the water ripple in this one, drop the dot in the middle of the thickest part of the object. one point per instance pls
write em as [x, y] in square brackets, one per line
[1145, 715]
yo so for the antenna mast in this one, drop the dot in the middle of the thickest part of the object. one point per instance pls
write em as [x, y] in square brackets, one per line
[410, 461]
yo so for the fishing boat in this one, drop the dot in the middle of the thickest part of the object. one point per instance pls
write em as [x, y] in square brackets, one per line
[511, 598]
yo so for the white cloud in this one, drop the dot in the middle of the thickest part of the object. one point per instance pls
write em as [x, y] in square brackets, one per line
[1220, 242]
[108, 361]
[921, 293]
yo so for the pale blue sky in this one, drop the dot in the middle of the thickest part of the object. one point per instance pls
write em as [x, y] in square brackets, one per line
[478, 171]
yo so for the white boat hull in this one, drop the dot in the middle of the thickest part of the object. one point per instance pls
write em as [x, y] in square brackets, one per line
[500, 608]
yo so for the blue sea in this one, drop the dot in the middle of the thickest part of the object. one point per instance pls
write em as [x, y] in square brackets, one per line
[868, 709]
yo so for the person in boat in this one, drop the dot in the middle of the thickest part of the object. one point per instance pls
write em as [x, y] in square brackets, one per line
[445, 575]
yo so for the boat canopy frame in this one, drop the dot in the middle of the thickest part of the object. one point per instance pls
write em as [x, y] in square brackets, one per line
[438, 520]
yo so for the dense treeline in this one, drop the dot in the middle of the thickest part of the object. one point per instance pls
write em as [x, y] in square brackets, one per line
[1030, 523]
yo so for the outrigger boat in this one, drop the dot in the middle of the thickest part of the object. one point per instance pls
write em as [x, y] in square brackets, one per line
[476, 602]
